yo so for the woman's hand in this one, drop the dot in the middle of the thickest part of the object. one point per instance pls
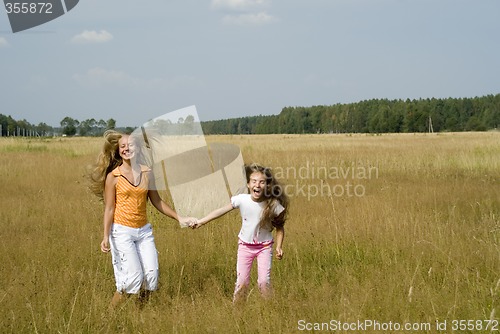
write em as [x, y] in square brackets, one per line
[105, 245]
[187, 221]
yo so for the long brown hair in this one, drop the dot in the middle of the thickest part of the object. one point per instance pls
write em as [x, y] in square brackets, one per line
[274, 194]
[108, 159]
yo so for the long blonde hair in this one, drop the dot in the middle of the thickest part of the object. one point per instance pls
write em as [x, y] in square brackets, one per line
[107, 160]
[274, 194]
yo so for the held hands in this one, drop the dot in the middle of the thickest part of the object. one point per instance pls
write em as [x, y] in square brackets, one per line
[187, 221]
[191, 222]
[197, 224]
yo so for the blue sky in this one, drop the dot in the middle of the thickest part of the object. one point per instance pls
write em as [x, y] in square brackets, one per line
[136, 60]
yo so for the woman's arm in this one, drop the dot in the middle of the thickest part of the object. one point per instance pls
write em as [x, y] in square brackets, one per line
[161, 206]
[156, 200]
[109, 210]
[213, 215]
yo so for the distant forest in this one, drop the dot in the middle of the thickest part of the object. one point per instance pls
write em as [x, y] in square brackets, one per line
[69, 127]
[370, 116]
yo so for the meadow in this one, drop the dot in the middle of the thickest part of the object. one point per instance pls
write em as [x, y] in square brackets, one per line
[399, 231]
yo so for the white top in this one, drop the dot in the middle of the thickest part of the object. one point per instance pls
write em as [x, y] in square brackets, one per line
[251, 213]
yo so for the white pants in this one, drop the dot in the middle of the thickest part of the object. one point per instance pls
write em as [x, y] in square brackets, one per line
[135, 258]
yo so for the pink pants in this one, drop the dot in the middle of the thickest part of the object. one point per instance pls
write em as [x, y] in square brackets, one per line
[246, 254]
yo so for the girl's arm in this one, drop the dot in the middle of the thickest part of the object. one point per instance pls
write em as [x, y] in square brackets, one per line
[213, 215]
[279, 224]
[109, 210]
[280, 235]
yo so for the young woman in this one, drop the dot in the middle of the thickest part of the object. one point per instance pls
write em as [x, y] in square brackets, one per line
[126, 186]
[262, 210]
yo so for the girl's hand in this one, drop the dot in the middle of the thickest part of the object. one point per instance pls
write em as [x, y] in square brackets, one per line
[279, 253]
[105, 245]
[196, 224]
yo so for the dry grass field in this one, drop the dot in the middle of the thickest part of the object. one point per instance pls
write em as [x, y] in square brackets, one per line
[387, 230]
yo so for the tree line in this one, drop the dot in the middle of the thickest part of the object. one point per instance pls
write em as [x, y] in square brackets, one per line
[372, 116]
[69, 127]
[369, 116]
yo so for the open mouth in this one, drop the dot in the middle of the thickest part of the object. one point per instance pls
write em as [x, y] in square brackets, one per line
[128, 153]
[257, 191]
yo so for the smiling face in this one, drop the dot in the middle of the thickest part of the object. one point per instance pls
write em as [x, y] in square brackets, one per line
[257, 186]
[126, 147]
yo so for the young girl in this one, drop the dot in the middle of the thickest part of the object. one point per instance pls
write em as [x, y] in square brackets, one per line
[262, 210]
[126, 187]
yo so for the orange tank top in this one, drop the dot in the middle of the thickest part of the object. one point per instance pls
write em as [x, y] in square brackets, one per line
[131, 200]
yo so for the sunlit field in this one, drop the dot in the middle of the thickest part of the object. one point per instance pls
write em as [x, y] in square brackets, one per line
[383, 230]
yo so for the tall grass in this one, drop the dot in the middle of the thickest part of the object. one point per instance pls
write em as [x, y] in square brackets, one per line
[420, 245]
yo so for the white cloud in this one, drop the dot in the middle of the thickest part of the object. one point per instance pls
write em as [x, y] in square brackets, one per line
[244, 12]
[248, 19]
[99, 78]
[3, 42]
[87, 37]
[238, 4]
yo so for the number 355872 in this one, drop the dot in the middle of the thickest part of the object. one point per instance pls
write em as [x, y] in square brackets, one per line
[28, 8]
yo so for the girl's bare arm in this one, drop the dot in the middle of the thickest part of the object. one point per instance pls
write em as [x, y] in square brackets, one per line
[213, 215]
[280, 235]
